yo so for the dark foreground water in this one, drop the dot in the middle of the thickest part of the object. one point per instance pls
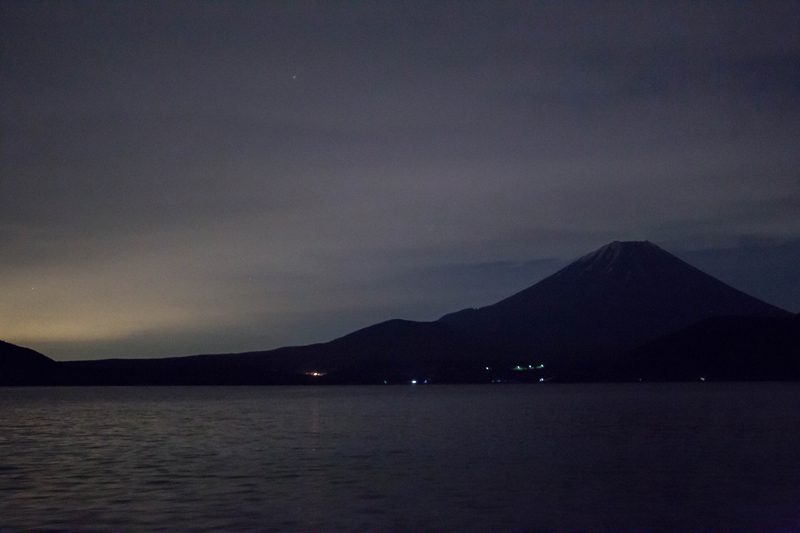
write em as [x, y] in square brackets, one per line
[563, 457]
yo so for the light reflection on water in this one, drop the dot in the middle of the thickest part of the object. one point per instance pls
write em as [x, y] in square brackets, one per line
[654, 457]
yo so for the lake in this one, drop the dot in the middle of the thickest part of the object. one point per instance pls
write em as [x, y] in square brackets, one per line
[611, 457]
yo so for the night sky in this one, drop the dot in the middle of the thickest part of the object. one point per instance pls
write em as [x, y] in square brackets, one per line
[194, 177]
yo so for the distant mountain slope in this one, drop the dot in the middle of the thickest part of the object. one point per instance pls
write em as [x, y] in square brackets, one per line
[570, 326]
[729, 348]
[19, 365]
[396, 350]
[612, 299]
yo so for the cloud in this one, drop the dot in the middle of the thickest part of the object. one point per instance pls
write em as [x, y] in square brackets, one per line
[240, 176]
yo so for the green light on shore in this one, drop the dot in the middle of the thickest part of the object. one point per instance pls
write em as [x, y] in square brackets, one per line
[528, 368]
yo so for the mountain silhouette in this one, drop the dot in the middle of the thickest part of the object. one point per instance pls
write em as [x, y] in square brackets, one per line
[391, 351]
[585, 322]
[608, 301]
[19, 366]
[723, 348]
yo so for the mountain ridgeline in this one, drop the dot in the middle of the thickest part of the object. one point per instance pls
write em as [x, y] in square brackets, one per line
[23, 366]
[605, 303]
[627, 311]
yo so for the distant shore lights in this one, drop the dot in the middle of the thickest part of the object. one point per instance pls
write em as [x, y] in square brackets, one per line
[528, 368]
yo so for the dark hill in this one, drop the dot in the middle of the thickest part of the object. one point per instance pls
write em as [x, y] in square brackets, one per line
[23, 366]
[396, 350]
[571, 326]
[728, 348]
[610, 300]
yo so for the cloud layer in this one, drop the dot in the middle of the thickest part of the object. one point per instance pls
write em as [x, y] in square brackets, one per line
[232, 176]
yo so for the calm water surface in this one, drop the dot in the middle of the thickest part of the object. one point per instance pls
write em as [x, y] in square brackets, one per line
[541, 457]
